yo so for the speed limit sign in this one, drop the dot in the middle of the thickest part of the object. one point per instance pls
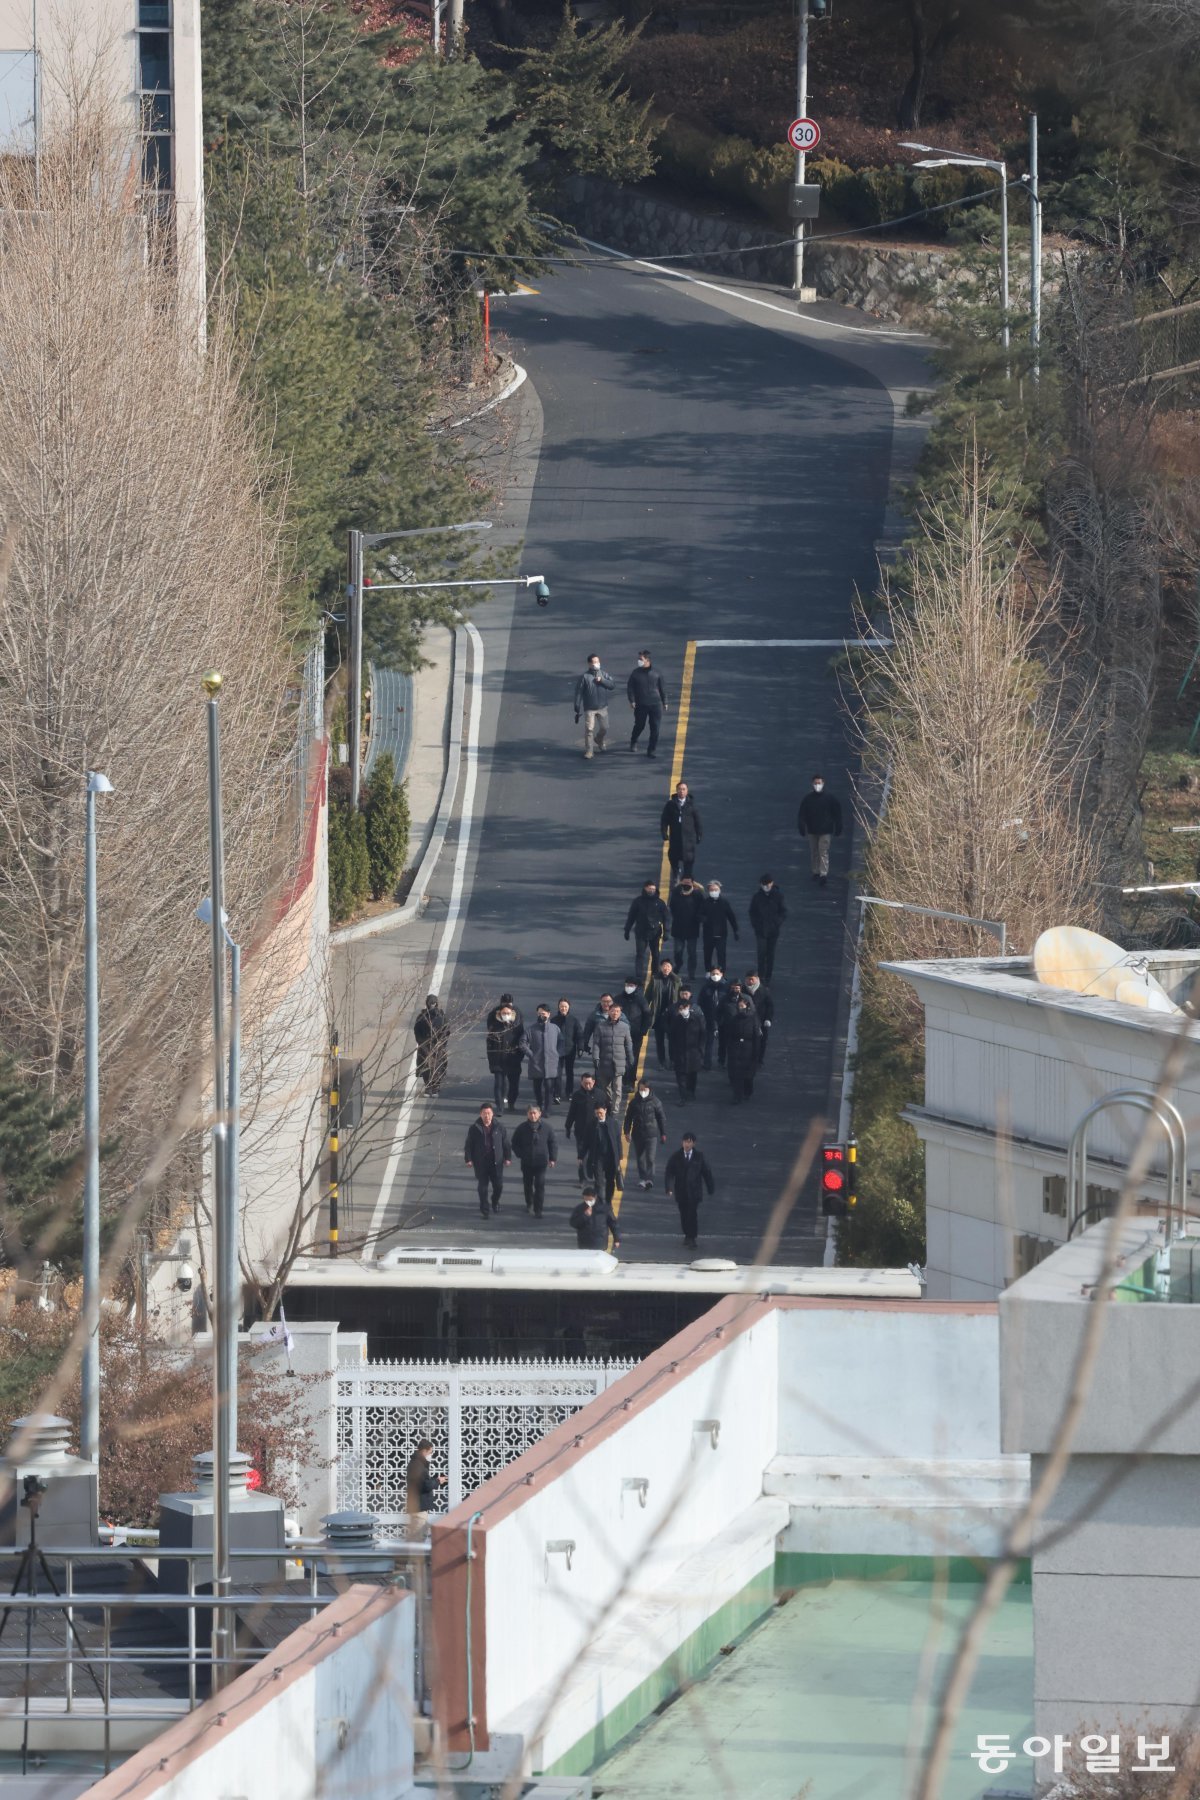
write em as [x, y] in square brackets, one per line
[804, 134]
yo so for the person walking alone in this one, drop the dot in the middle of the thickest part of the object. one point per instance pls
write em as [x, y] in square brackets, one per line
[719, 921]
[819, 820]
[682, 830]
[591, 700]
[433, 1045]
[741, 1049]
[542, 1052]
[593, 1221]
[664, 998]
[688, 1178]
[647, 919]
[582, 1110]
[646, 1129]
[602, 1163]
[570, 1032]
[687, 1045]
[612, 1046]
[505, 1052]
[421, 1484]
[767, 913]
[648, 698]
[687, 919]
[536, 1149]
[487, 1152]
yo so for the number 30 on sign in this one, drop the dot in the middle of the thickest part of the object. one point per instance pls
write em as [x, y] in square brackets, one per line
[804, 134]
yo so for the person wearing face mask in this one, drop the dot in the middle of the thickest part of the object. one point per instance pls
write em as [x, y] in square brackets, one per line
[633, 1003]
[570, 1032]
[710, 1000]
[648, 698]
[819, 820]
[664, 998]
[591, 699]
[582, 1110]
[646, 1129]
[682, 830]
[719, 921]
[647, 919]
[593, 1221]
[686, 1034]
[542, 1051]
[741, 1049]
[505, 1051]
[687, 918]
[764, 1007]
[767, 913]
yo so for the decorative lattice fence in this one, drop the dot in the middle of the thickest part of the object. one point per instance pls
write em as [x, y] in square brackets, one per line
[479, 1416]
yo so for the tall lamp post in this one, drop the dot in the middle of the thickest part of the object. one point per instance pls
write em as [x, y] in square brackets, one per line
[360, 541]
[89, 1435]
[953, 159]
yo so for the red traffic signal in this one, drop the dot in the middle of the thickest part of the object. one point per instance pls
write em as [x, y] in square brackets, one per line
[833, 1179]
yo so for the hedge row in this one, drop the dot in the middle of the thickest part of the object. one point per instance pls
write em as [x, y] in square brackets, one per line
[734, 169]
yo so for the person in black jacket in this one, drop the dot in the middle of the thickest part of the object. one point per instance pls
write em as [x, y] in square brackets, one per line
[602, 1158]
[719, 921]
[741, 1049]
[505, 1052]
[536, 1149]
[688, 1177]
[421, 1484]
[819, 820]
[487, 1152]
[647, 918]
[710, 1000]
[767, 913]
[592, 1221]
[433, 1040]
[648, 698]
[664, 998]
[591, 699]
[584, 1101]
[687, 1045]
[764, 1006]
[687, 918]
[682, 830]
[570, 1033]
[646, 1129]
[636, 1010]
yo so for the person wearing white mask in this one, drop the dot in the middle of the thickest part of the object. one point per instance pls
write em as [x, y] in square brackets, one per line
[591, 699]
[647, 700]
[646, 1129]
[819, 820]
[719, 921]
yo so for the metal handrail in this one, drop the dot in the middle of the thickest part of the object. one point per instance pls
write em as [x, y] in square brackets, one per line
[1171, 1120]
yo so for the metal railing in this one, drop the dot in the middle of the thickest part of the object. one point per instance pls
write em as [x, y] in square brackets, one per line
[83, 1692]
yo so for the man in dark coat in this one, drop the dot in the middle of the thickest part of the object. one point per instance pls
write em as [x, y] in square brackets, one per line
[636, 1010]
[648, 698]
[819, 820]
[687, 1045]
[710, 999]
[592, 1221]
[584, 1101]
[487, 1152]
[602, 1158]
[682, 830]
[688, 1178]
[767, 913]
[570, 1034]
[647, 919]
[433, 1042]
[421, 1484]
[646, 1129]
[764, 1006]
[542, 1050]
[726, 1007]
[664, 998]
[536, 1149]
[741, 1049]
[505, 1051]
[719, 921]
[687, 918]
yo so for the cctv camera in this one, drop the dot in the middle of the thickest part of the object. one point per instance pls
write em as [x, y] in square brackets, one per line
[542, 594]
[185, 1278]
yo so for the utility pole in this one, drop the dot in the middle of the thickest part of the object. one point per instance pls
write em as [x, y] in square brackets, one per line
[454, 33]
[801, 157]
[354, 681]
[335, 1116]
[89, 1435]
[1035, 252]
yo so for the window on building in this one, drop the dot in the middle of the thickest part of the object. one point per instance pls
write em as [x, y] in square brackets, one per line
[1029, 1250]
[154, 79]
[18, 102]
[1101, 1201]
[1054, 1195]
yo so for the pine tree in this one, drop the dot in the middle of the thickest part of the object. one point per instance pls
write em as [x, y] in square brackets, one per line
[573, 99]
[349, 860]
[387, 821]
[32, 1160]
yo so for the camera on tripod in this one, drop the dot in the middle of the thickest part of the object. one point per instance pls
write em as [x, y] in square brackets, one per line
[34, 1487]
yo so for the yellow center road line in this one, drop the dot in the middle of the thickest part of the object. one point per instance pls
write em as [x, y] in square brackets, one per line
[682, 719]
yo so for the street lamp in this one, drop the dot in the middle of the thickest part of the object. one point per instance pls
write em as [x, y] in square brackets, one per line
[359, 541]
[997, 927]
[227, 1277]
[89, 1434]
[942, 159]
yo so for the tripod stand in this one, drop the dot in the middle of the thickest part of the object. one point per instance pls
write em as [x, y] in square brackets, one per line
[32, 1559]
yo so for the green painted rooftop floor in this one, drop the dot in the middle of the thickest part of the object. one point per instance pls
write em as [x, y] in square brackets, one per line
[821, 1701]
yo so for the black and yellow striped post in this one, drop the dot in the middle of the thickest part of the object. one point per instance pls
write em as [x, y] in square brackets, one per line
[335, 1107]
[851, 1174]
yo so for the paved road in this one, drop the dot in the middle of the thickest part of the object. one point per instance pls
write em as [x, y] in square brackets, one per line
[707, 470]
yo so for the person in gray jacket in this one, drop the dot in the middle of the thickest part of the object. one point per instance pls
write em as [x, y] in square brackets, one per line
[542, 1048]
[612, 1047]
[646, 1129]
[591, 699]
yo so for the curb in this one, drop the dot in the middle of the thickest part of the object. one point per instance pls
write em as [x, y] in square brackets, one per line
[418, 900]
[519, 376]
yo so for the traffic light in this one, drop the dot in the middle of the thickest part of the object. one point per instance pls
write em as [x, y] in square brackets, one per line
[833, 1180]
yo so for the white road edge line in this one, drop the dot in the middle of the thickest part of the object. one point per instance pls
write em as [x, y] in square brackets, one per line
[512, 387]
[449, 932]
[916, 337]
[793, 643]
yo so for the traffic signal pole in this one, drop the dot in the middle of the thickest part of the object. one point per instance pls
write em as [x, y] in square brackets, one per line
[801, 156]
